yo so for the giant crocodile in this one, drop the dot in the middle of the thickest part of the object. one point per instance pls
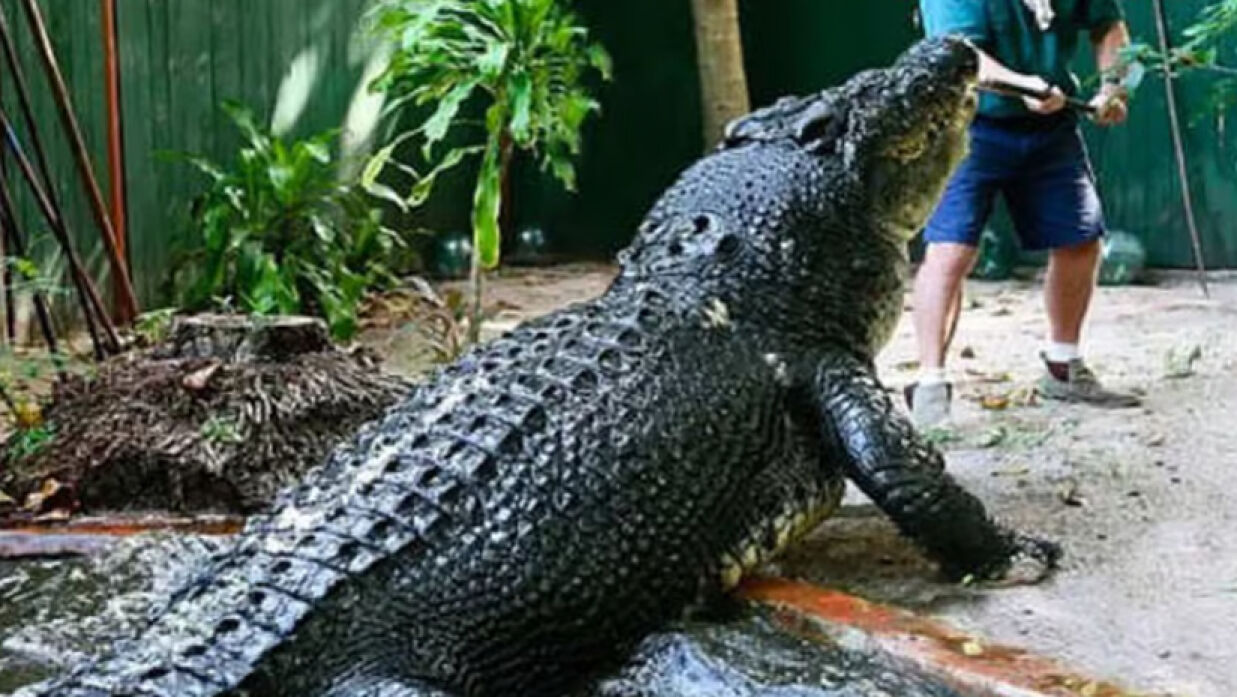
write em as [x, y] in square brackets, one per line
[537, 507]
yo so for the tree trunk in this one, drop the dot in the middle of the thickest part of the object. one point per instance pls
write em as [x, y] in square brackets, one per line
[723, 82]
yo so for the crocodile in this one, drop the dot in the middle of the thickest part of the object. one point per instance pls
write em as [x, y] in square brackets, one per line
[531, 511]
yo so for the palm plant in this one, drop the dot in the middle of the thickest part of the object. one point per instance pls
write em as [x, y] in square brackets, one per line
[525, 61]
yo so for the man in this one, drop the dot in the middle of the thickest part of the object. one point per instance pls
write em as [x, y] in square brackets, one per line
[1031, 152]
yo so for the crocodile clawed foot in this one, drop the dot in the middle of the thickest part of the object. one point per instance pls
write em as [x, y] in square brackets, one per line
[1031, 561]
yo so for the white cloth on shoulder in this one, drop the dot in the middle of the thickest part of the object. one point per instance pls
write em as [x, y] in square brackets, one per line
[1042, 9]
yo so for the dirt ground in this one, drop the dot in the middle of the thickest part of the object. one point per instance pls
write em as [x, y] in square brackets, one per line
[1141, 499]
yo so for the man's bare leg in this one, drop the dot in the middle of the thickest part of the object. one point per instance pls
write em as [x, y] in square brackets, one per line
[938, 291]
[1068, 289]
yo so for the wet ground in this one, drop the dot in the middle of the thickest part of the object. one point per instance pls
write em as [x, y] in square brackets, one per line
[56, 612]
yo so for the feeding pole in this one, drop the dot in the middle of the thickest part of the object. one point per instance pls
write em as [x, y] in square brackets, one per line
[1187, 200]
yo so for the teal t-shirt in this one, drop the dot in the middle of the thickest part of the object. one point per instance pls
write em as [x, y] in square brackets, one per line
[1007, 30]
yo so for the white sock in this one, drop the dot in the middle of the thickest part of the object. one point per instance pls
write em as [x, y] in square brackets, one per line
[932, 376]
[1061, 353]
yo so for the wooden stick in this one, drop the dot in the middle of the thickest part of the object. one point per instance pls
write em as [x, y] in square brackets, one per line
[115, 134]
[129, 307]
[1183, 173]
[48, 182]
[8, 221]
[89, 295]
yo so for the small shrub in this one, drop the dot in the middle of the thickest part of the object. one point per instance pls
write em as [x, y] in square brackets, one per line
[278, 233]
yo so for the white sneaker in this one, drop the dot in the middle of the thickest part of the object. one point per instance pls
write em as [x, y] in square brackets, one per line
[929, 403]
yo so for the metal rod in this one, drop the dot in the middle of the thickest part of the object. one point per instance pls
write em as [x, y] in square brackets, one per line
[128, 308]
[1009, 90]
[85, 287]
[8, 221]
[115, 135]
[1183, 173]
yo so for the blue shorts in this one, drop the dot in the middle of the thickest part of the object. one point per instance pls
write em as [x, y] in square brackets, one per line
[1042, 169]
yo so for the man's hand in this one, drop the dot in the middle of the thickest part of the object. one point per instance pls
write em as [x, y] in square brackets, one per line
[1054, 103]
[1110, 106]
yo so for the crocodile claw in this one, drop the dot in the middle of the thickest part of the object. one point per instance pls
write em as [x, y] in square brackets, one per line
[1031, 561]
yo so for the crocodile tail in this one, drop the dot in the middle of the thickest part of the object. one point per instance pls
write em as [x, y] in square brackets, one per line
[214, 634]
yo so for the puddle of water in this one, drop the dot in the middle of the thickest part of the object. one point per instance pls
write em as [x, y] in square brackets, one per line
[54, 613]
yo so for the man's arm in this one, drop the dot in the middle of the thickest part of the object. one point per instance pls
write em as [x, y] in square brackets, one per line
[1111, 101]
[992, 70]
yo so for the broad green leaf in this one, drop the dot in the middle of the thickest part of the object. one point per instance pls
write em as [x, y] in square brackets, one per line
[487, 200]
[385, 193]
[521, 93]
[563, 170]
[438, 124]
[490, 64]
[600, 59]
[422, 189]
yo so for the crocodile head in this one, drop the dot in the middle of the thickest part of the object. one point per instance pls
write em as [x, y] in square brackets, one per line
[875, 151]
[801, 217]
[915, 131]
[893, 136]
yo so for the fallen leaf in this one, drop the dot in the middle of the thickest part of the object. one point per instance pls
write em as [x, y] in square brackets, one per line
[29, 414]
[1024, 397]
[1179, 361]
[1154, 440]
[972, 648]
[993, 437]
[1012, 472]
[198, 380]
[989, 378]
[994, 402]
[1071, 496]
[52, 494]
[906, 365]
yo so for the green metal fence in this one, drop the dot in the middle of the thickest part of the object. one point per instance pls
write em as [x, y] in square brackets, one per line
[180, 58]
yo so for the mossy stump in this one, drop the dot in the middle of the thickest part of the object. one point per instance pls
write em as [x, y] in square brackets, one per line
[217, 418]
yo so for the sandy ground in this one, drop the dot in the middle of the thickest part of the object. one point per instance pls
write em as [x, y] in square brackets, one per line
[1141, 499]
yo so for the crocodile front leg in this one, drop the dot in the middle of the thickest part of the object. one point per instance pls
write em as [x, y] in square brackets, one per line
[905, 476]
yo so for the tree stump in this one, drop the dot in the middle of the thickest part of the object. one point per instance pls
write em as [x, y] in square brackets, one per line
[240, 339]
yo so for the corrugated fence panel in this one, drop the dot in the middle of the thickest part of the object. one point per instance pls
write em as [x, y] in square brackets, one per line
[182, 58]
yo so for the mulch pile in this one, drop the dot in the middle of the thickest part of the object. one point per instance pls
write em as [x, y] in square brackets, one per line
[216, 419]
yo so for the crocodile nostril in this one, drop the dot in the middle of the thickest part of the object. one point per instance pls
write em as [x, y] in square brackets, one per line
[675, 249]
[728, 245]
[700, 223]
